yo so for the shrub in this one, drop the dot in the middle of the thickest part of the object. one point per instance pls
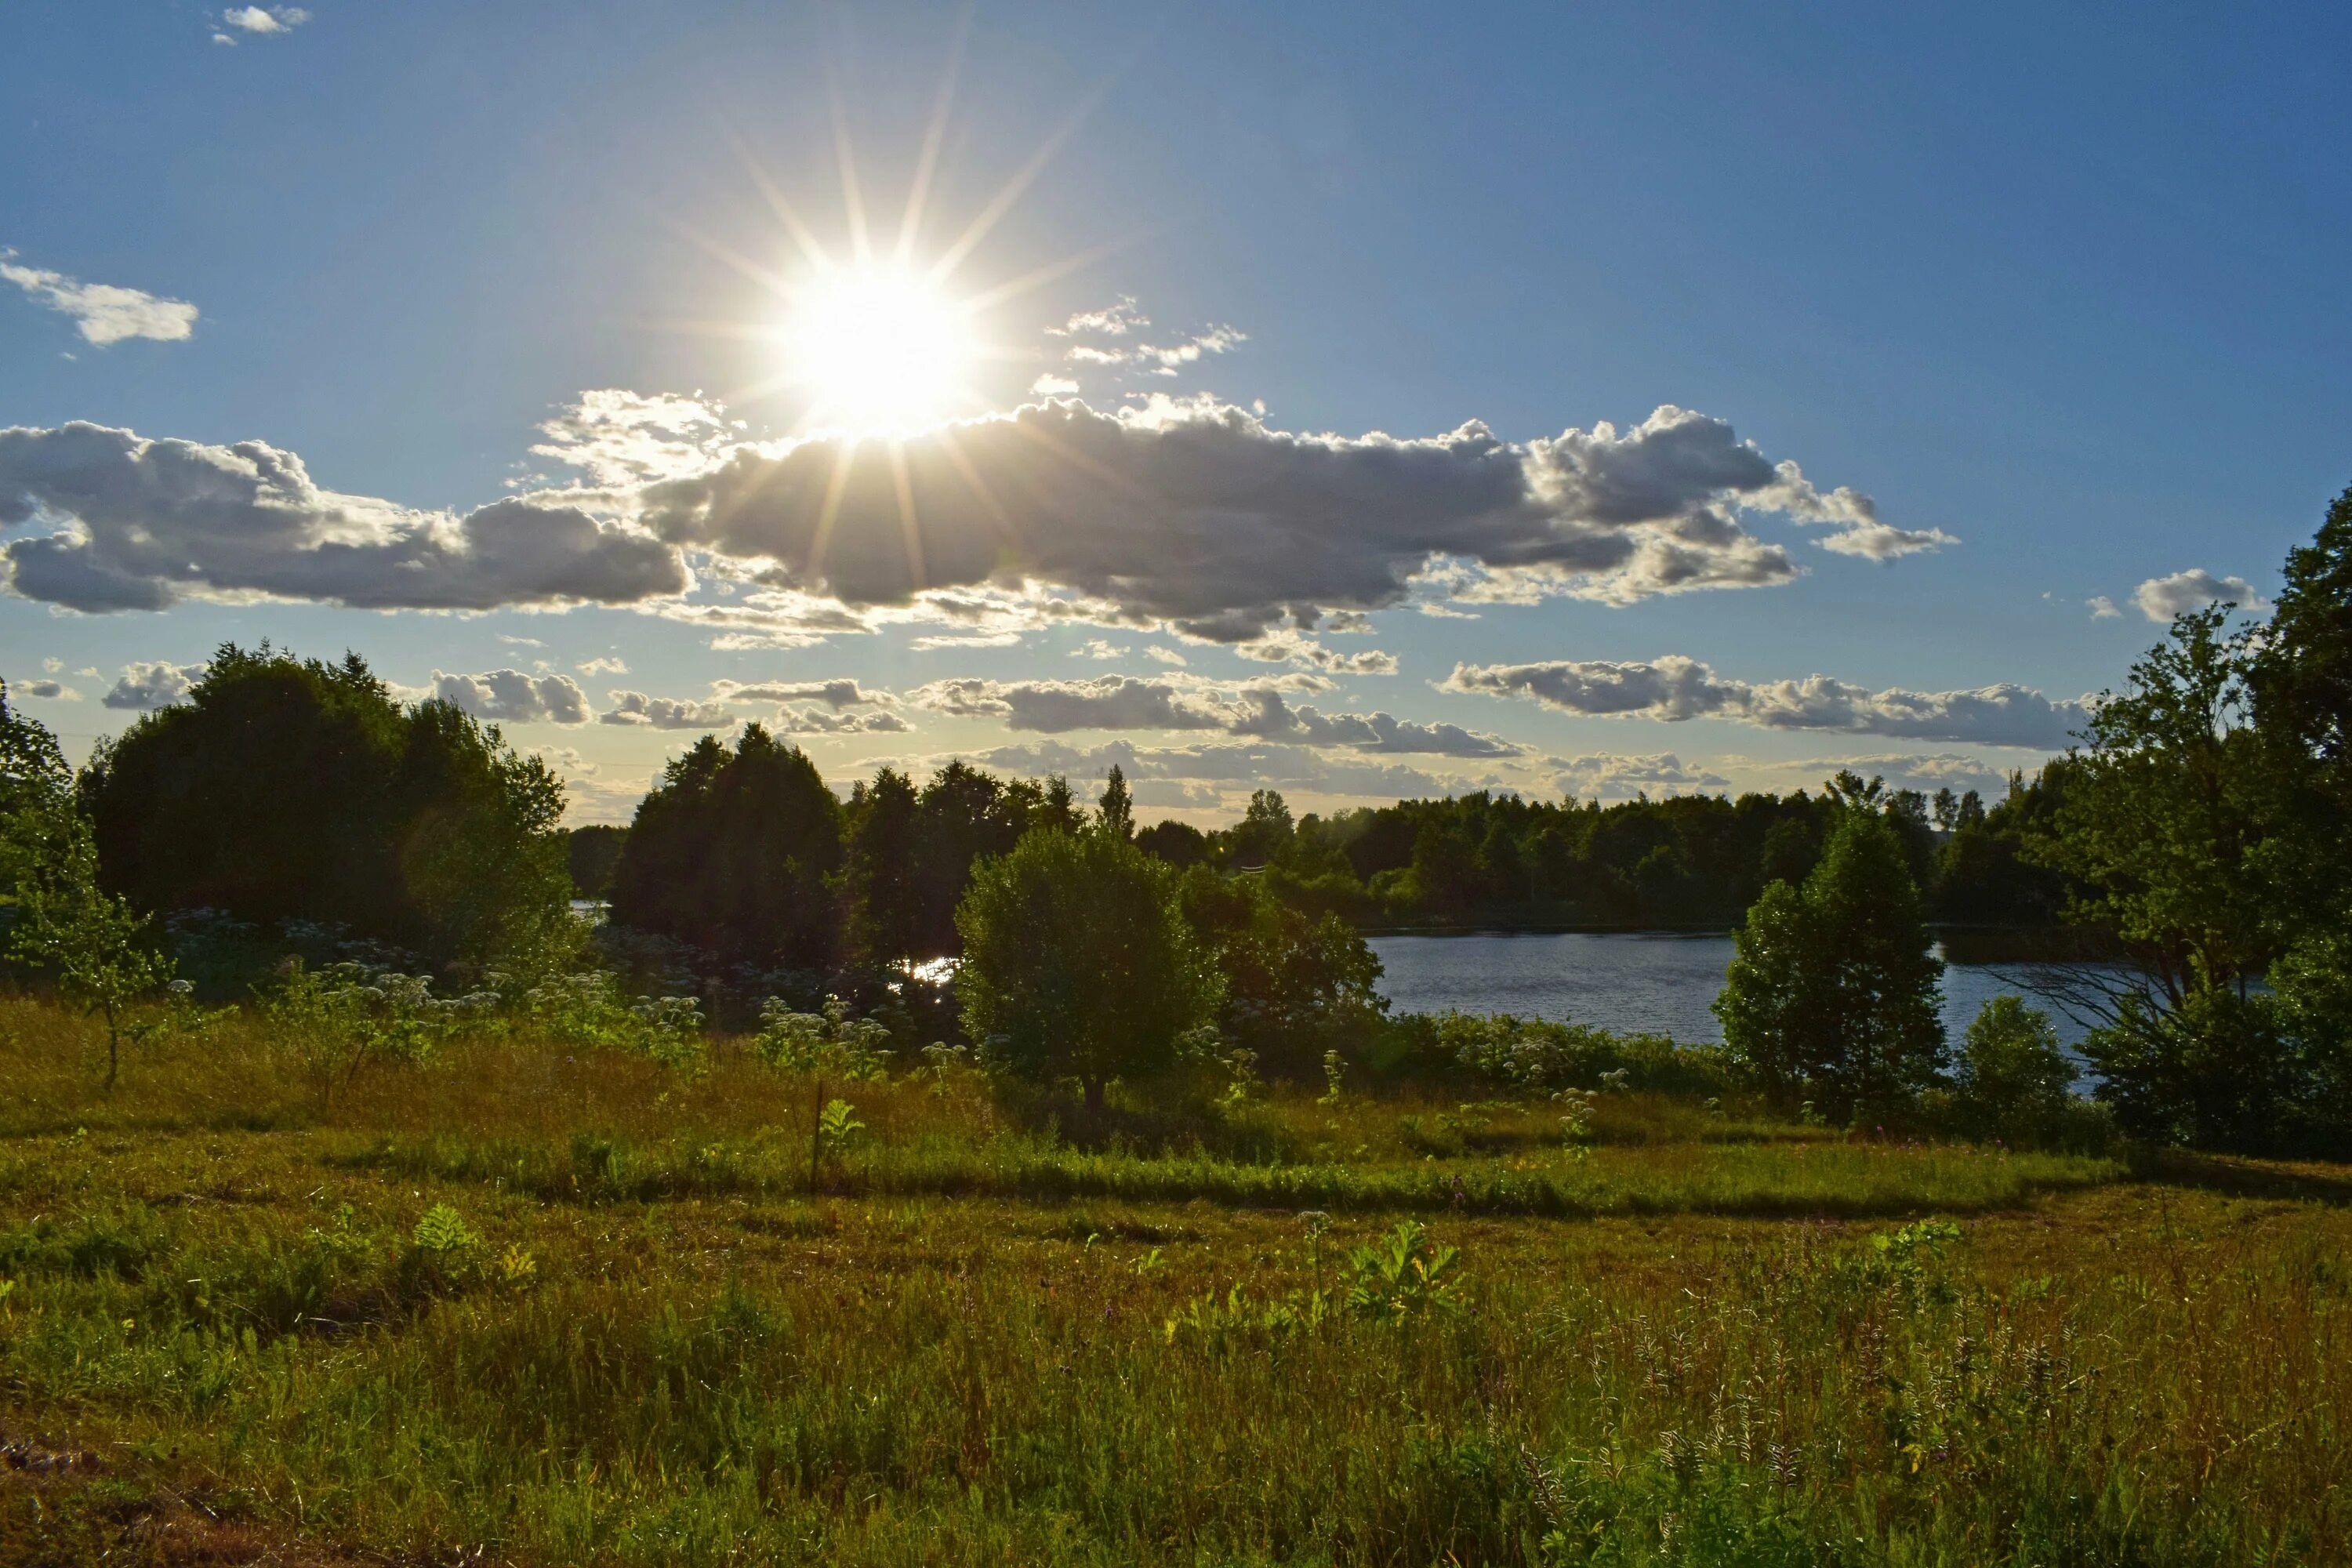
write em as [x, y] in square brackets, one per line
[2014, 1081]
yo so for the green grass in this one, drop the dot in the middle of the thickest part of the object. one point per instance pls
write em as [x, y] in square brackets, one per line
[650, 1337]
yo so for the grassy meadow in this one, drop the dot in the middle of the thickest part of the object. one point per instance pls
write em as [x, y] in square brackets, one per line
[521, 1302]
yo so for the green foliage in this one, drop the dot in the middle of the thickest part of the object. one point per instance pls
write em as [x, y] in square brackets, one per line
[837, 1127]
[2013, 1081]
[733, 852]
[829, 1042]
[93, 945]
[1405, 1277]
[1834, 989]
[334, 1021]
[286, 788]
[591, 853]
[589, 1009]
[1296, 985]
[1538, 1056]
[1078, 961]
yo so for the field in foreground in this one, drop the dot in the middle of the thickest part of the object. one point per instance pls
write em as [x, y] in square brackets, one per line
[530, 1305]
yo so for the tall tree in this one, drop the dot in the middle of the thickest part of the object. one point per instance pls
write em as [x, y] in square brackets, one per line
[1117, 806]
[880, 895]
[733, 852]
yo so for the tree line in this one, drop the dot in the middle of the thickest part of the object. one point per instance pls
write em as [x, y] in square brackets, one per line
[2198, 829]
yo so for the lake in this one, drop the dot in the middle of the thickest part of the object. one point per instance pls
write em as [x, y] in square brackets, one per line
[1632, 982]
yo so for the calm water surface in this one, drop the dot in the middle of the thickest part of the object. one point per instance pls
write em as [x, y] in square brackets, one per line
[1636, 982]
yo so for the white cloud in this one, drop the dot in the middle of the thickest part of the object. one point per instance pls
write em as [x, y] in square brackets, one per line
[152, 684]
[102, 312]
[261, 22]
[1674, 689]
[141, 524]
[1610, 775]
[1115, 320]
[1096, 648]
[620, 437]
[49, 691]
[512, 697]
[603, 666]
[2103, 608]
[1168, 656]
[513, 641]
[1288, 646]
[2162, 598]
[1051, 386]
[636, 708]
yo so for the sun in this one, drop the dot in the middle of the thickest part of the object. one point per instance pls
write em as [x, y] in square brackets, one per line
[879, 348]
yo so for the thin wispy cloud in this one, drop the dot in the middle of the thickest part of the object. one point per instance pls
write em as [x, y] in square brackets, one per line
[103, 313]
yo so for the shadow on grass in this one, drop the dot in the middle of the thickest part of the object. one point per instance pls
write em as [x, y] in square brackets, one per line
[2241, 1178]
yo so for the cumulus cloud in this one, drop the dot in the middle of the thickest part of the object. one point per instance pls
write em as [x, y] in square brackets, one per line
[635, 707]
[141, 524]
[2162, 598]
[102, 312]
[1610, 775]
[603, 666]
[1674, 689]
[1191, 516]
[620, 437]
[49, 691]
[512, 697]
[1051, 386]
[1167, 655]
[836, 694]
[1288, 646]
[812, 720]
[1096, 648]
[2103, 608]
[152, 684]
[1259, 710]
[1199, 515]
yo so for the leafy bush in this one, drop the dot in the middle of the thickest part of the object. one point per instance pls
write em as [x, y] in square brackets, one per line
[830, 1042]
[587, 1009]
[1535, 1054]
[2015, 1082]
[1405, 1277]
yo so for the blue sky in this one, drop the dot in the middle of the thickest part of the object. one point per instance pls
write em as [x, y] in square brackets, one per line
[2046, 303]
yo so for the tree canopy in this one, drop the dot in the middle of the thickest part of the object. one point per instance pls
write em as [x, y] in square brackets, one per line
[288, 788]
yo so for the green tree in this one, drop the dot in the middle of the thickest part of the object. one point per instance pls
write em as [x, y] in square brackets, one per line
[93, 944]
[1077, 961]
[879, 892]
[734, 852]
[1834, 988]
[288, 787]
[1296, 985]
[1117, 806]
[2013, 1079]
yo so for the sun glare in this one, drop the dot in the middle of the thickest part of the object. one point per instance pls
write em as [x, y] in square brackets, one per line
[879, 349]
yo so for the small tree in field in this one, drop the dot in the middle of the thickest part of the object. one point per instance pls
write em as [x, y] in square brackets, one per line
[1834, 989]
[88, 940]
[1077, 961]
